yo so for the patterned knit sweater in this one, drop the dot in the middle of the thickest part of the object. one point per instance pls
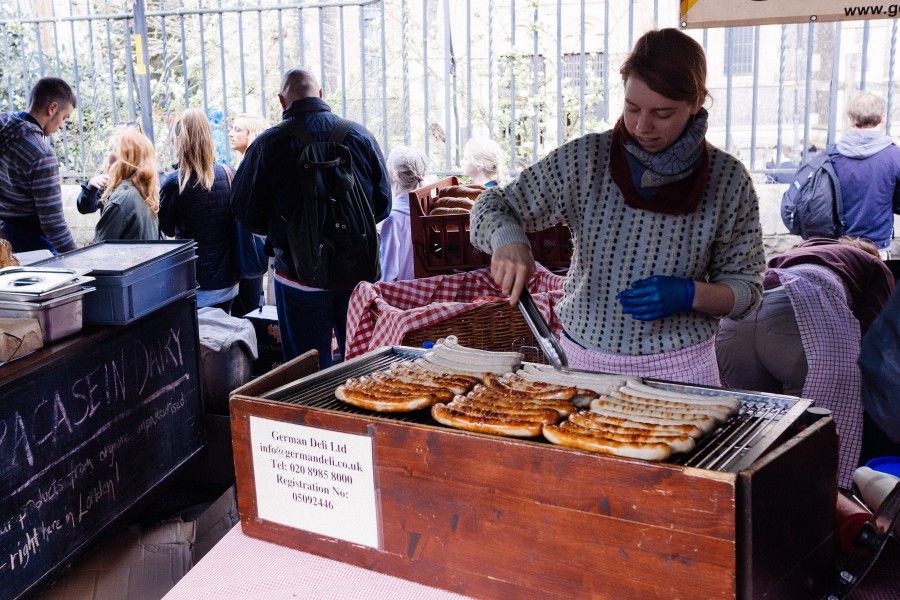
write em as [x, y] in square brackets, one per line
[29, 179]
[616, 245]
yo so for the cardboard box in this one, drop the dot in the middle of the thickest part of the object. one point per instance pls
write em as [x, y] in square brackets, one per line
[268, 339]
[144, 563]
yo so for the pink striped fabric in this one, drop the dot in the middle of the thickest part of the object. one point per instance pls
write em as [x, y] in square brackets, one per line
[695, 364]
[830, 336]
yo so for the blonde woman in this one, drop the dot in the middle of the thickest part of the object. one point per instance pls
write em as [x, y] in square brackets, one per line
[194, 205]
[244, 130]
[250, 292]
[483, 161]
[130, 202]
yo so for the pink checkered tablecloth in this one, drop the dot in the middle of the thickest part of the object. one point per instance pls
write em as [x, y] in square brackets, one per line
[404, 306]
[240, 567]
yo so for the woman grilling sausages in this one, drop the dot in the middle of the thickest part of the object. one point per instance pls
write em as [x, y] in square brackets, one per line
[665, 226]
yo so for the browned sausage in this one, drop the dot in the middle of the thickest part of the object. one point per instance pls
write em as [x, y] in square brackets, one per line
[572, 439]
[382, 403]
[496, 426]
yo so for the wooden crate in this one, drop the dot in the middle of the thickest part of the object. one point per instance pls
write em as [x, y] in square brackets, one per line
[498, 518]
[441, 242]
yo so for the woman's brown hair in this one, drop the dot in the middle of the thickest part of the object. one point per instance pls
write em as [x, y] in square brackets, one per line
[859, 244]
[135, 161]
[671, 63]
[194, 150]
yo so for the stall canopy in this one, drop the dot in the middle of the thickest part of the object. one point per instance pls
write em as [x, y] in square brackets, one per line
[728, 13]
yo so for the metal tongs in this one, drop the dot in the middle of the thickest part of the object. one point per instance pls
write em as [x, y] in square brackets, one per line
[549, 344]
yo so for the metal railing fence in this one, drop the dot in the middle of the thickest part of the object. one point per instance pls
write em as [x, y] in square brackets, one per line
[428, 73]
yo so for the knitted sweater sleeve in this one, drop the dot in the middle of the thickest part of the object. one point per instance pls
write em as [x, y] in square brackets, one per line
[532, 202]
[738, 255]
[47, 194]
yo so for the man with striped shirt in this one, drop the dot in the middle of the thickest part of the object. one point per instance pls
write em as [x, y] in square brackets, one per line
[31, 212]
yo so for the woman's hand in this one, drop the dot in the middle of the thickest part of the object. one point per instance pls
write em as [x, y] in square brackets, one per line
[99, 181]
[512, 266]
[657, 297]
[663, 296]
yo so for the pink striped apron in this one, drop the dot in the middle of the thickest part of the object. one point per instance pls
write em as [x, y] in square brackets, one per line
[694, 365]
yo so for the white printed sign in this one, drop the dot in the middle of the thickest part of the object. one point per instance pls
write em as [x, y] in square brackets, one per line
[730, 13]
[315, 479]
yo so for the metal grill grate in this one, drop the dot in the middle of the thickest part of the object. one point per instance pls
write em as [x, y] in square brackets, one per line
[731, 447]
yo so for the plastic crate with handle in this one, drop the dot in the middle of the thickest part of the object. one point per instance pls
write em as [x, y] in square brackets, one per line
[441, 242]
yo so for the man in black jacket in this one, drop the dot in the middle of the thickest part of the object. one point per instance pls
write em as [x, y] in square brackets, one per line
[266, 189]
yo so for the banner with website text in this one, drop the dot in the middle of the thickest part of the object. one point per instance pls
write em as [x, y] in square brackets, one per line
[730, 13]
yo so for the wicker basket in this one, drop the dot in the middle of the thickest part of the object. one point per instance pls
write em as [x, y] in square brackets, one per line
[493, 326]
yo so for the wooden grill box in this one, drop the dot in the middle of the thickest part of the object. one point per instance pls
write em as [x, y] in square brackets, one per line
[498, 518]
[441, 242]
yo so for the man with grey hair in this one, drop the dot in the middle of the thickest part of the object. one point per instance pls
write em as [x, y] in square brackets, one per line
[270, 187]
[867, 165]
[31, 211]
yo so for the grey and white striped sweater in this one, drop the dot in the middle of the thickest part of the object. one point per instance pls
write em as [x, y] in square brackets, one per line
[616, 244]
[30, 181]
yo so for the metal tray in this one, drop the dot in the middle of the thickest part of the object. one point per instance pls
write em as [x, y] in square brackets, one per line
[59, 317]
[62, 290]
[39, 283]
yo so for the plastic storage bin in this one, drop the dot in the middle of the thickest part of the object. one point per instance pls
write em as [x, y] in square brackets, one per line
[132, 278]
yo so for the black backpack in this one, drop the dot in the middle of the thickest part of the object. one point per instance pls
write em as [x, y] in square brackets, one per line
[812, 205]
[331, 231]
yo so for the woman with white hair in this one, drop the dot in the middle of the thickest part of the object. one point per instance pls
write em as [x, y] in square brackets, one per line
[482, 161]
[406, 170]
[867, 165]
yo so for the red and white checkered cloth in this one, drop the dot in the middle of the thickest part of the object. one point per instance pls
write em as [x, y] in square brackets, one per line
[830, 336]
[416, 303]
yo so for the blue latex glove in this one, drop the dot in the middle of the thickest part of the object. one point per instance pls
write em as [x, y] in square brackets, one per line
[656, 297]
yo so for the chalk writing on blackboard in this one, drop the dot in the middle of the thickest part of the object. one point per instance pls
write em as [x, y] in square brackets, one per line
[84, 439]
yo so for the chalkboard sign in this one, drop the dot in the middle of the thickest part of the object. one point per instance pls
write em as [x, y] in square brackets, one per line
[86, 435]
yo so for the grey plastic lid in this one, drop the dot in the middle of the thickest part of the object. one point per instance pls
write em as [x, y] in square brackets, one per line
[117, 257]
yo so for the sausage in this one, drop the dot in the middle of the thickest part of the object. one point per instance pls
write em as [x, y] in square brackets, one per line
[717, 412]
[642, 409]
[442, 394]
[452, 342]
[489, 361]
[443, 211]
[536, 415]
[563, 407]
[678, 443]
[462, 191]
[584, 417]
[647, 451]
[379, 403]
[465, 367]
[414, 372]
[457, 419]
[525, 385]
[636, 388]
[491, 381]
[450, 202]
[599, 383]
[606, 408]
[548, 414]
